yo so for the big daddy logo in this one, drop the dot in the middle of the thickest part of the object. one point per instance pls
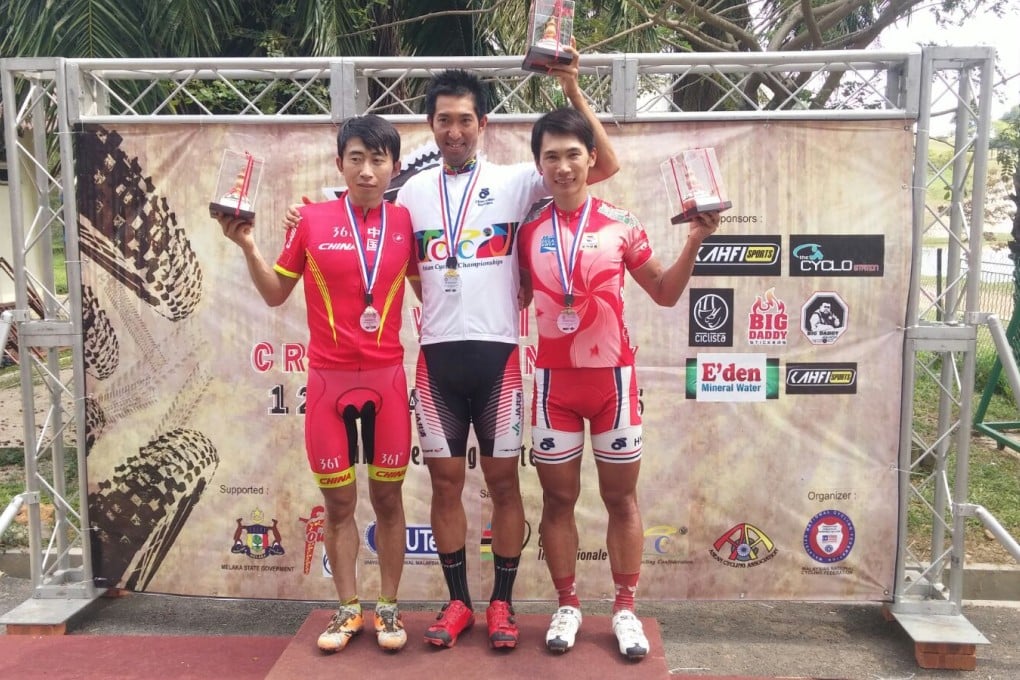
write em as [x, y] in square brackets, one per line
[710, 319]
[837, 255]
[743, 546]
[768, 323]
[829, 537]
[739, 256]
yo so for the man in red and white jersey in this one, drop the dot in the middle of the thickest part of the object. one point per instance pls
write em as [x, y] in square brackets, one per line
[469, 373]
[575, 253]
[353, 255]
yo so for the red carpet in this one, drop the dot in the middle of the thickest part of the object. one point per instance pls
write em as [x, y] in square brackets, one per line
[595, 654]
[133, 657]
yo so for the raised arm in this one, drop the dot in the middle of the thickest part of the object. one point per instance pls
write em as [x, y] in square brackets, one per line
[606, 164]
[665, 286]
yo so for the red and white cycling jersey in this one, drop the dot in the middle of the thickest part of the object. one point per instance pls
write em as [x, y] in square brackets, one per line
[322, 251]
[613, 242]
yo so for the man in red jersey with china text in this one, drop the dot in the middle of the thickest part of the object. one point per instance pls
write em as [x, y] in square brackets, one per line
[353, 254]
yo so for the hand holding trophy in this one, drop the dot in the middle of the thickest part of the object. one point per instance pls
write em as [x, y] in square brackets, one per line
[237, 186]
[550, 28]
[693, 184]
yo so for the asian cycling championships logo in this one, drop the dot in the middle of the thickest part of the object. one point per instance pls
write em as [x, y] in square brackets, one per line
[496, 240]
[829, 537]
[743, 546]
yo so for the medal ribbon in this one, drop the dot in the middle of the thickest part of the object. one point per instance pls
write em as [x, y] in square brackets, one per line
[368, 276]
[452, 229]
[567, 268]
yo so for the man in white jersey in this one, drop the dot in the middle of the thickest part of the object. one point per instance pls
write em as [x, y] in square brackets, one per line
[469, 369]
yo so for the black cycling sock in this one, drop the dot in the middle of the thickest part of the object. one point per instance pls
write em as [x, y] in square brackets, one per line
[506, 574]
[455, 571]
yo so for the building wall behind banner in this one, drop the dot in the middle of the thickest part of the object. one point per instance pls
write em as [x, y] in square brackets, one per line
[769, 446]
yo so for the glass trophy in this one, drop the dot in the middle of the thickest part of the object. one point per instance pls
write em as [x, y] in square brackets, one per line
[693, 184]
[237, 185]
[550, 27]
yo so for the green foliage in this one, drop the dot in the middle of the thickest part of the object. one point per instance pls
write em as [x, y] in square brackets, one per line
[1006, 144]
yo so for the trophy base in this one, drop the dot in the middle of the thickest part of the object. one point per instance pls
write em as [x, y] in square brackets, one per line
[538, 59]
[230, 210]
[699, 206]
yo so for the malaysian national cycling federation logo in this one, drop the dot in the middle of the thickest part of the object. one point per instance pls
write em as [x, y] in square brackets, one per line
[743, 546]
[829, 537]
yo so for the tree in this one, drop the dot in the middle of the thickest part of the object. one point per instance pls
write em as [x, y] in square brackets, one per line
[1006, 145]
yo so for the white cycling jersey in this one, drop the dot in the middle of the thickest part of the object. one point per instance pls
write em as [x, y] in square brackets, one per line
[491, 203]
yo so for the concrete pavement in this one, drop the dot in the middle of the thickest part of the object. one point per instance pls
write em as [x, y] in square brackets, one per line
[763, 639]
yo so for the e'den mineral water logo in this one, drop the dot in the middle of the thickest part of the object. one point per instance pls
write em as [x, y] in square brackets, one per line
[418, 541]
[732, 377]
[739, 256]
[829, 537]
[710, 321]
[821, 378]
[816, 255]
[743, 546]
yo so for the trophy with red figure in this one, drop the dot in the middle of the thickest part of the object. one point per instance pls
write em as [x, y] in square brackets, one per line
[550, 27]
[693, 184]
[237, 185]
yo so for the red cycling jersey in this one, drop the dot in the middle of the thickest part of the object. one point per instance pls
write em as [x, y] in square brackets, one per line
[612, 241]
[322, 250]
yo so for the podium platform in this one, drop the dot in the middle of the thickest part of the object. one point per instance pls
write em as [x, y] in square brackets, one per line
[595, 654]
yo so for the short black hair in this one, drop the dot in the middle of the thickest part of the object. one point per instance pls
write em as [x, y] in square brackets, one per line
[456, 82]
[377, 134]
[567, 122]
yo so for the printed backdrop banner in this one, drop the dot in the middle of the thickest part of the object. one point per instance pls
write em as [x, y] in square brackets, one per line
[770, 393]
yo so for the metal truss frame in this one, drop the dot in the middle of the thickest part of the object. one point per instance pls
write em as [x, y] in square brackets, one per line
[45, 98]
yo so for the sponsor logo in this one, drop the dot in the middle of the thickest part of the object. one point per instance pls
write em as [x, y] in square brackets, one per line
[837, 255]
[597, 555]
[739, 256]
[257, 540]
[821, 378]
[829, 537]
[486, 545]
[710, 321]
[547, 244]
[665, 544]
[336, 246]
[768, 323]
[476, 243]
[732, 377]
[418, 540]
[314, 525]
[824, 318]
[743, 546]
